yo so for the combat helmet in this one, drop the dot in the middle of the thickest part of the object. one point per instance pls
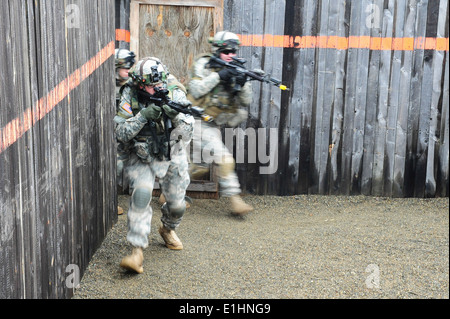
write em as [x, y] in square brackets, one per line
[149, 71]
[224, 40]
[124, 58]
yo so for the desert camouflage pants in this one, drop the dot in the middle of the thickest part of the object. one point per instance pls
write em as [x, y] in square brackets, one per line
[208, 148]
[173, 180]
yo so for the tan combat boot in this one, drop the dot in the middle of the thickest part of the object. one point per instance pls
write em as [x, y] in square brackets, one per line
[119, 210]
[134, 261]
[170, 238]
[162, 199]
[238, 206]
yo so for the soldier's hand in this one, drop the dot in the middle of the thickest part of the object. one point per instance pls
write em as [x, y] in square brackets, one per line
[226, 74]
[241, 79]
[171, 113]
[152, 112]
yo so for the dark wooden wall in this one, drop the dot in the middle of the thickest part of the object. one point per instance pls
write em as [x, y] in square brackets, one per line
[57, 152]
[367, 112]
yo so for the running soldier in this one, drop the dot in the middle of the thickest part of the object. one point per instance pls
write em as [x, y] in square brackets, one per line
[213, 88]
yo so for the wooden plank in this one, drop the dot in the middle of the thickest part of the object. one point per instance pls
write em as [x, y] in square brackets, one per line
[197, 186]
[9, 276]
[393, 100]
[403, 106]
[307, 175]
[76, 52]
[437, 66]
[371, 112]
[305, 86]
[443, 171]
[330, 81]
[290, 104]
[360, 103]
[63, 191]
[48, 132]
[31, 96]
[424, 114]
[321, 110]
[382, 113]
[17, 157]
[338, 106]
[271, 96]
[252, 17]
[28, 188]
[415, 92]
[248, 21]
[350, 100]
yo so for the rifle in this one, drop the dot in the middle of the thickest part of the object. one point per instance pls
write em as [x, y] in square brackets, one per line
[238, 65]
[160, 98]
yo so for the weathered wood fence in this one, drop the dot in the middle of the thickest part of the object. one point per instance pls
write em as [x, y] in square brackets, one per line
[368, 108]
[57, 152]
[367, 112]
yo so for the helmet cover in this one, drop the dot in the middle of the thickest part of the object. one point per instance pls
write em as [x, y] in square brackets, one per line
[149, 71]
[124, 58]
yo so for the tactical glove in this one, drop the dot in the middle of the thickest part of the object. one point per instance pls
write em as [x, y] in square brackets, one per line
[241, 79]
[151, 113]
[226, 74]
[171, 113]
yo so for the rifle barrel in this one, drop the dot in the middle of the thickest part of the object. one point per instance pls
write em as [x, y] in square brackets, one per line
[250, 74]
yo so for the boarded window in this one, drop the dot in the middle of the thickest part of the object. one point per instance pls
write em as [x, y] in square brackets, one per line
[175, 33]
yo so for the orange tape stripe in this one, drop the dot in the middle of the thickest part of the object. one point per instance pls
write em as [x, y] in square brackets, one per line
[20, 125]
[331, 42]
[344, 43]
[122, 35]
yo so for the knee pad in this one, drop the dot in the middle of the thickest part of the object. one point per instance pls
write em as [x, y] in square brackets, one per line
[141, 197]
[227, 166]
[175, 212]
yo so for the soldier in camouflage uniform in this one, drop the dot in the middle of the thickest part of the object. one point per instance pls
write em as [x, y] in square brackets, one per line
[124, 60]
[212, 88]
[140, 123]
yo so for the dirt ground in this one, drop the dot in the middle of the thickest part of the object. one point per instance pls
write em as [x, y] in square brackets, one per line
[296, 247]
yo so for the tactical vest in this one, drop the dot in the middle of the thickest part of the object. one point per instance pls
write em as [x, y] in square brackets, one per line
[145, 143]
[172, 84]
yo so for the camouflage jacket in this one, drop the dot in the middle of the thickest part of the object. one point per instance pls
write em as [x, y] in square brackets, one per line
[133, 128]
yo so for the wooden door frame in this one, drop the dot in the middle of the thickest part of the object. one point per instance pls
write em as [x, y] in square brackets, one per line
[134, 15]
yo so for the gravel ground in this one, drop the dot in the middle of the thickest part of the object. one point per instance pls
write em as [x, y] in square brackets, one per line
[296, 247]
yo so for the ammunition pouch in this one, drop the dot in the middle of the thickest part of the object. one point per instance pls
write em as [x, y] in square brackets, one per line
[146, 147]
[221, 108]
